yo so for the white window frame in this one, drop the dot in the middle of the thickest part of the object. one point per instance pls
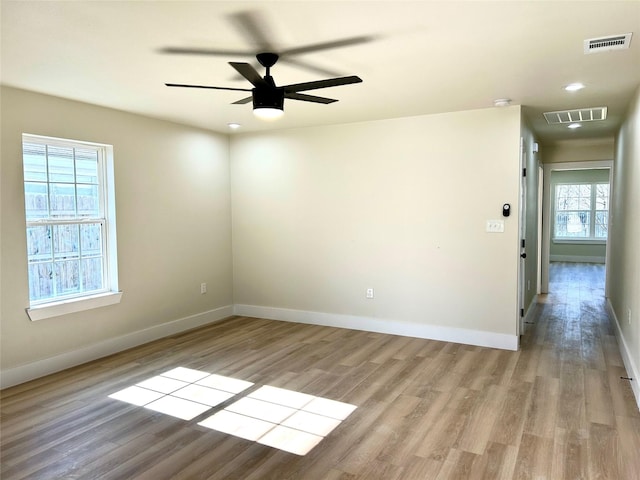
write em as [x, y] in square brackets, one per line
[109, 294]
[591, 239]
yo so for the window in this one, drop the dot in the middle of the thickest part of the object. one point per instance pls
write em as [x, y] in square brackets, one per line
[70, 221]
[582, 211]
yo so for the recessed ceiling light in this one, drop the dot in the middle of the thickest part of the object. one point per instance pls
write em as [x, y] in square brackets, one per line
[233, 126]
[574, 87]
[574, 126]
[502, 102]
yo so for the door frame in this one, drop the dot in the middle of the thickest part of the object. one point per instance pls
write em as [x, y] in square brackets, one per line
[522, 235]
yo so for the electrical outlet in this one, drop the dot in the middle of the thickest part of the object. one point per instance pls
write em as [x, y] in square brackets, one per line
[369, 292]
[629, 315]
[203, 288]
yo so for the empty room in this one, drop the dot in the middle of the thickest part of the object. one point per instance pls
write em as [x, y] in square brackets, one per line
[320, 240]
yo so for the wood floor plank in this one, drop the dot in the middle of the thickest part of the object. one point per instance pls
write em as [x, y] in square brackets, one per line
[543, 407]
[556, 409]
[570, 455]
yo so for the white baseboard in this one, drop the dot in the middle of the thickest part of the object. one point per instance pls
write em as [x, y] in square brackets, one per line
[629, 364]
[40, 368]
[418, 330]
[576, 259]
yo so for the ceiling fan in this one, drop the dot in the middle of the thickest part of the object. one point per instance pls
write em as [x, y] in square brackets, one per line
[254, 27]
[267, 97]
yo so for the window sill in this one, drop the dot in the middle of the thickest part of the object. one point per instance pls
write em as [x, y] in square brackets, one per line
[55, 309]
[576, 241]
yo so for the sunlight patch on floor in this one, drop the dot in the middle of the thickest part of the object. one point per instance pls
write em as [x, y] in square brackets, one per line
[291, 421]
[182, 392]
[276, 417]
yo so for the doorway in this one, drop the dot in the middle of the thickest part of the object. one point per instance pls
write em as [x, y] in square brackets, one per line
[571, 232]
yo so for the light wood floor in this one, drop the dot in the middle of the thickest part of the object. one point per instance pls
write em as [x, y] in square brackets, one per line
[556, 409]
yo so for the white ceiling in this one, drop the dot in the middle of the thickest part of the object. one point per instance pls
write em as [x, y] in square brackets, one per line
[424, 57]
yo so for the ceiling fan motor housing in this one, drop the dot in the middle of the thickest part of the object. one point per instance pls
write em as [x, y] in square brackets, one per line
[268, 98]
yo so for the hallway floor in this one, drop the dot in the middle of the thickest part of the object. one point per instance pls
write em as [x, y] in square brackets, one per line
[597, 427]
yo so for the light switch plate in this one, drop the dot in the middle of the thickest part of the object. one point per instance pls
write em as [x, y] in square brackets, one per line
[495, 226]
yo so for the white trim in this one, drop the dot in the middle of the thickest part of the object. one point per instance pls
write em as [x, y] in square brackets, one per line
[577, 258]
[629, 364]
[432, 332]
[46, 366]
[73, 305]
[530, 314]
[579, 241]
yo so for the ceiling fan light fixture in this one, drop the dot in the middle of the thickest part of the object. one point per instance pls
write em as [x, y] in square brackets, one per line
[268, 103]
[268, 113]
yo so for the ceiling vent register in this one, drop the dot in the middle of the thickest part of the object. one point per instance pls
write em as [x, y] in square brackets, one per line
[572, 116]
[606, 44]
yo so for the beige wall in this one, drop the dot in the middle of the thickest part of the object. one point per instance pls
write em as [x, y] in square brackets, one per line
[173, 224]
[321, 214]
[624, 255]
[578, 150]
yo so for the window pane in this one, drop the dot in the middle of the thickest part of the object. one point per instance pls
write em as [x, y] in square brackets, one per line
[86, 166]
[66, 241]
[562, 190]
[88, 201]
[584, 203]
[571, 203]
[602, 196]
[67, 277]
[561, 225]
[62, 199]
[572, 224]
[585, 191]
[35, 200]
[602, 220]
[91, 239]
[39, 243]
[40, 281]
[34, 162]
[61, 167]
[92, 273]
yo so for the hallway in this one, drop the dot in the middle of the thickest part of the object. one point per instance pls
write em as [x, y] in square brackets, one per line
[597, 427]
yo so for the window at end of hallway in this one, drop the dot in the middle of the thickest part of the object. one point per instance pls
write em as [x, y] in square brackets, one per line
[70, 226]
[581, 212]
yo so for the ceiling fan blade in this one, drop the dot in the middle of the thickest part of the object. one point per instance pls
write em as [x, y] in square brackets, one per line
[242, 101]
[206, 51]
[331, 82]
[207, 86]
[308, 66]
[327, 45]
[250, 73]
[309, 98]
[251, 25]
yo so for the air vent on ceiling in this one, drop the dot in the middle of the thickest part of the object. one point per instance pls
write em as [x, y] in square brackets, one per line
[605, 44]
[573, 116]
